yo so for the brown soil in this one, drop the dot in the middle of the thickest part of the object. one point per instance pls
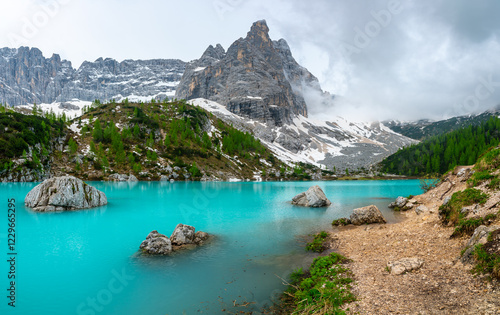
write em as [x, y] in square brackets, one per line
[442, 286]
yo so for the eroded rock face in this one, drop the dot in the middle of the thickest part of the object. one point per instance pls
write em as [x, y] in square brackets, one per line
[156, 244]
[183, 234]
[405, 265]
[64, 193]
[313, 197]
[367, 215]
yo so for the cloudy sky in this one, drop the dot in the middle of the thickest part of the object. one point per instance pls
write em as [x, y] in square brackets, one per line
[387, 58]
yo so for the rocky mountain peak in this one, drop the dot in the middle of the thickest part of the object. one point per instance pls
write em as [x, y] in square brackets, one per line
[250, 79]
[259, 35]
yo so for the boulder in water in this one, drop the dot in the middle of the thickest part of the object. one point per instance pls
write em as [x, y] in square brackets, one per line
[64, 193]
[313, 197]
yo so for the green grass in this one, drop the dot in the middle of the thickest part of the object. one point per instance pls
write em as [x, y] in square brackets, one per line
[486, 263]
[317, 243]
[341, 222]
[451, 212]
[324, 289]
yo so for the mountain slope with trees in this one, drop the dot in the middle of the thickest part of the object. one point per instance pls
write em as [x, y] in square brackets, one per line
[152, 141]
[442, 153]
[425, 129]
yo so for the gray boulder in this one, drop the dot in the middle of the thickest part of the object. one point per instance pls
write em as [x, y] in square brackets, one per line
[404, 265]
[400, 202]
[367, 215]
[480, 236]
[313, 197]
[163, 178]
[156, 244]
[64, 193]
[200, 237]
[421, 209]
[132, 178]
[183, 234]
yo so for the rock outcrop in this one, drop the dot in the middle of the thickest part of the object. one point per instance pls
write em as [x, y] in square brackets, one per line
[480, 236]
[156, 244]
[64, 193]
[26, 77]
[314, 197]
[404, 265]
[256, 78]
[366, 215]
[183, 237]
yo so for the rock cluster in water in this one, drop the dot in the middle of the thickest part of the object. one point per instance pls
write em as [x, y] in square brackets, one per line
[64, 193]
[184, 236]
[313, 197]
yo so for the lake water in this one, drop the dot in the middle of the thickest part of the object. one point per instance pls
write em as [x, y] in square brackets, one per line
[86, 262]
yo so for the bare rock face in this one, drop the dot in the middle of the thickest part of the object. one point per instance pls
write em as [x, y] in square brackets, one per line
[255, 78]
[156, 244]
[367, 215]
[64, 193]
[404, 265]
[313, 197]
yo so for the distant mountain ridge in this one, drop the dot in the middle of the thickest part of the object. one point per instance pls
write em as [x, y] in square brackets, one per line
[424, 129]
[27, 77]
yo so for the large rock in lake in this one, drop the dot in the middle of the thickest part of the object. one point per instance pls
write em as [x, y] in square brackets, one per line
[64, 193]
[367, 215]
[156, 244]
[183, 234]
[313, 197]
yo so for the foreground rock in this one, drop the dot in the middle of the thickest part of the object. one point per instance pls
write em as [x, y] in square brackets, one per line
[366, 215]
[64, 193]
[183, 237]
[399, 203]
[313, 197]
[404, 265]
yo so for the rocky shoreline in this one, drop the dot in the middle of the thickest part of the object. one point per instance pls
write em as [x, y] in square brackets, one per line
[440, 283]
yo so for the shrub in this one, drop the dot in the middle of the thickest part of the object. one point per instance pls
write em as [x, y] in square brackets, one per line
[326, 288]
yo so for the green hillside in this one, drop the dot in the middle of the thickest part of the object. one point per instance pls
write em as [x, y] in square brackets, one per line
[442, 153]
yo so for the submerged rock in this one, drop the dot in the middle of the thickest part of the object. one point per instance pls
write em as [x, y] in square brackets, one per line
[313, 197]
[156, 244]
[64, 193]
[404, 265]
[367, 215]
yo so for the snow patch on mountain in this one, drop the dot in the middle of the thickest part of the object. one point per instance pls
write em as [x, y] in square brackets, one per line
[325, 143]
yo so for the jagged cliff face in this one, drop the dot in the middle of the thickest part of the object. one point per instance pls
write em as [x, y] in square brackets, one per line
[27, 77]
[255, 78]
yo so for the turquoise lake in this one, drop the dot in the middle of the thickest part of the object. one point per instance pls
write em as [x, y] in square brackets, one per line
[86, 262]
